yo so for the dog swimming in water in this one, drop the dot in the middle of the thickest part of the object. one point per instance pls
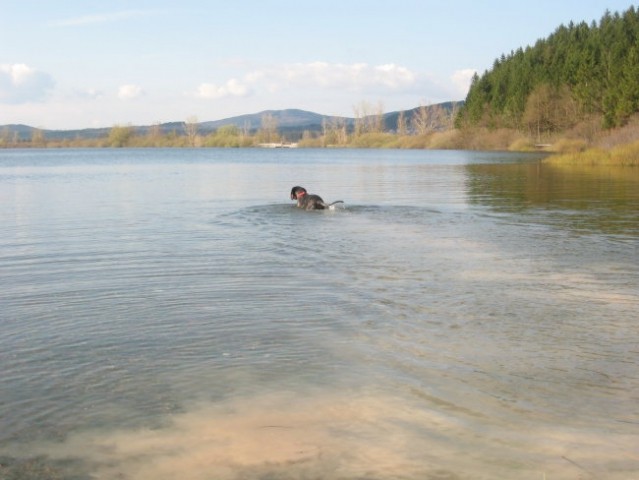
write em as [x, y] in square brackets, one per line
[309, 201]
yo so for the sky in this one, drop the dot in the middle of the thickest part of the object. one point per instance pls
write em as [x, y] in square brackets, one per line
[84, 63]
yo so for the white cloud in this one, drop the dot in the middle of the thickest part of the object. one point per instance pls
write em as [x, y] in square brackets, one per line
[232, 88]
[461, 80]
[20, 83]
[128, 92]
[394, 76]
[356, 76]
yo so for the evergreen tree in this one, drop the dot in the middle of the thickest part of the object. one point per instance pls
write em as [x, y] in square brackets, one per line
[596, 65]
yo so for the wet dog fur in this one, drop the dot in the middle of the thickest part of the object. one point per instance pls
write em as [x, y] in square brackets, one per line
[309, 201]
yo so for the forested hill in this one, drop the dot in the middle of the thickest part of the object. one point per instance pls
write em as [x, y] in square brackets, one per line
[580, 70]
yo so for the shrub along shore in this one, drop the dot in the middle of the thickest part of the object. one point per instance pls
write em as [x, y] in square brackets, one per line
[622, 155]
[587, 143]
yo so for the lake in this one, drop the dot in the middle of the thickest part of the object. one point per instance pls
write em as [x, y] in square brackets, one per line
[169, 314]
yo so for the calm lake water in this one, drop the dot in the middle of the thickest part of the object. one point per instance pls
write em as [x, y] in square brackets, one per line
[168, 314]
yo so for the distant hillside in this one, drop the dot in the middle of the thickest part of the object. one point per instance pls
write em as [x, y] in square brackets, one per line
[17, 130]
[285, 119]
[578, 71]
[291, 123]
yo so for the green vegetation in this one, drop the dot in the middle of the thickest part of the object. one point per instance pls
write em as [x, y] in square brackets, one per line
[622, 155]
[575, 93]
[579, 70]
[227, 136]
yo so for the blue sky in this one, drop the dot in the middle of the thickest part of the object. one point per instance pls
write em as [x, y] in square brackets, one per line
[83, 63]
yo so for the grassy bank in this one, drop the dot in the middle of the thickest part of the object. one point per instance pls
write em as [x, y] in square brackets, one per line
[586, 143]
[621, 155]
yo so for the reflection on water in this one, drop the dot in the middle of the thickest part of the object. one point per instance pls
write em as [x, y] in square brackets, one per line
[173, 316]
[582, 198]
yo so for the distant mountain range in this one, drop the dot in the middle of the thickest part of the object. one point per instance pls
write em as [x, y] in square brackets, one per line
[291, 123]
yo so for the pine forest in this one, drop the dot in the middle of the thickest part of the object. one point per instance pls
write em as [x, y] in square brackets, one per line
[581, 71]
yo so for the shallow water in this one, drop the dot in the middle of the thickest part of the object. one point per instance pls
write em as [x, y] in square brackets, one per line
[169, 314]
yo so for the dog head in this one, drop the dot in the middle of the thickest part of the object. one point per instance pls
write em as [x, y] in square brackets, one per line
[297, 192]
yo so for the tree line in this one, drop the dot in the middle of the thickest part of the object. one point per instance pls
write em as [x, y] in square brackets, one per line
[370, 127]
[580, 71]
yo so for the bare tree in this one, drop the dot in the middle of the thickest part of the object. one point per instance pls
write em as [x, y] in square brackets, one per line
[191, 130]
[327, 133]
[334, 131]
[402, 128]
[4, 136]
[359, 113]
[419, 121]
[364, 118]
[268, 130]
[37, 138]
[378, 120]
[550, 109]
[368, 119]
[428, 119]
[342, 132]
[246, 129]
